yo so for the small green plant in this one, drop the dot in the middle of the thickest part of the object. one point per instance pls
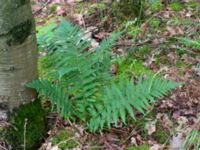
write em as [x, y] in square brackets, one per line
[190, 46]
[193, 137]
[177, 6]
[194, 43]
[132, 28]
[155, 23]
[155, 5]
[80, 85]
[193, 4]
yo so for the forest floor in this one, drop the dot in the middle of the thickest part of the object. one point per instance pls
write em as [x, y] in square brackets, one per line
[166, 39]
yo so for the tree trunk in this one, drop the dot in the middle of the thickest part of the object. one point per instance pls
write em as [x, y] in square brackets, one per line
[18, 54]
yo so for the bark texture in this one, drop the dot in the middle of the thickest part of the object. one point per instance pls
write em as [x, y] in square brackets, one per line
[18, 53]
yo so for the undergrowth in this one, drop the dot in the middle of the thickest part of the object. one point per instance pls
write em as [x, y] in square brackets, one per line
[79, 82]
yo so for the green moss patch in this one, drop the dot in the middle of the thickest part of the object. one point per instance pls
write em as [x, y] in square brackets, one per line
[64, 139]
[161, 135]
[27, 125]
[140, 147]
[128, 67]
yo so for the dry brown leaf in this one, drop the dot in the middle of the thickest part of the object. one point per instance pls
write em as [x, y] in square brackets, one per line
[171, 30]
[134, 141]
[151, 127]
[164, 119]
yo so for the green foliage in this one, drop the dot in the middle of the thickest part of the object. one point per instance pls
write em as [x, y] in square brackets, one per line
[181, 21]
[132, 28]
[177, 6]
[155, 5]
[180, 63]
[193, 139]
[193, 4]
[35, 128]
[194, 43]
[80, 84]
[154, 23]
[189, 45]
[128, 67]
[53, 8]
[77, 73]
[120, 98]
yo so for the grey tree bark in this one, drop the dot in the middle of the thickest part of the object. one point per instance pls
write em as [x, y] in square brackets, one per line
[18, 54]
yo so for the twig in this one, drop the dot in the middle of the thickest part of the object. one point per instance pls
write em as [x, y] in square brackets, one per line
[48, 2]
[25, 124]
[3, 148]
[94, 147]
[65, 141]
[73, 126]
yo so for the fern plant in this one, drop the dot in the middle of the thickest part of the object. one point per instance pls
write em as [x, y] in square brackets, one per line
[80, 84]
[74, 71]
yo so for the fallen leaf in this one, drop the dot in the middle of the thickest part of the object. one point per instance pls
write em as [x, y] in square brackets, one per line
[164, 119]
[176, 142]
[55, 148]
[134, 141]
[151, 127]
[171, 30]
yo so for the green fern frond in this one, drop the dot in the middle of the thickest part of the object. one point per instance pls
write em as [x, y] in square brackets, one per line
[56, 93]
[81, 72]
[123, 98]
[195, 43]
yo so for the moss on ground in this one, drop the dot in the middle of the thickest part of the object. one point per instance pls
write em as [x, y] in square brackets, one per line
[64, 139]
[140, 147]
[128, 67]
[162, 134]
[28, 120]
